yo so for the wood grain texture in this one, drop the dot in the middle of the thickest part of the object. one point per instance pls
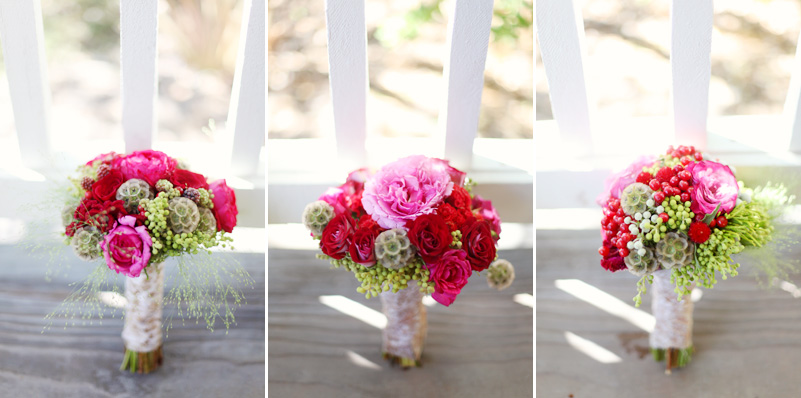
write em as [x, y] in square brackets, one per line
[347, 74]
[22, 38]
[560, 31]
[792, 104]
[747, 339]
[83, 360]
[138, 57]
[247, 111]
[480, 346]
[467, 43]
[690, 63]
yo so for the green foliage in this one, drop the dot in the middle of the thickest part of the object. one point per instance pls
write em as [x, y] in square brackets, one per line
[377, 279]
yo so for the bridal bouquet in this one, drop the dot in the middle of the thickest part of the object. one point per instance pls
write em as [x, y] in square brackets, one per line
[415, 220]
[676, 220]
[132, 212]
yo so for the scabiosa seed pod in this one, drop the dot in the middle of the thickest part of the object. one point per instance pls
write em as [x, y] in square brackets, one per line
[68, 213]
[86, 243]
[393, 248]
[86, 183]
[674, 250]
[207, 224]
[184, 216]
[192, 194]
[132, 191]
[634, 198]
[641, 262]
[163, 185]
[316, 216]
[500, 274]
[103, 171]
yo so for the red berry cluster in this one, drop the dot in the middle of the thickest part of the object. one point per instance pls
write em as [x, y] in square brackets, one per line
[614, 228]
[673, 181]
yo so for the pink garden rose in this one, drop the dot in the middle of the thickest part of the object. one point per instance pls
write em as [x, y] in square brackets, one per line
[617, 182]
[148, 165]
[225, 210]
[449, 275]
[335, 196]
[714, 184]
[126, 248]
[457, 176]
[487, 212]
[405, 189]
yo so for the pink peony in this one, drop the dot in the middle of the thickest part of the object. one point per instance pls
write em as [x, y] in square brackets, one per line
[449, 276]
[148, 165]
[126, 248]
[714, 184]
[487, 212]
[225, 210]
[617, 182]
[405, 189]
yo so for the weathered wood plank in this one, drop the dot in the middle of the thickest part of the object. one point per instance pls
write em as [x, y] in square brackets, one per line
[739, 329]
[479, 346]
[83, 360]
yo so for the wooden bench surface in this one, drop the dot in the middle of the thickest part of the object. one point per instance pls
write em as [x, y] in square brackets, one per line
[84, 360]
[480, 346]
[747, 337]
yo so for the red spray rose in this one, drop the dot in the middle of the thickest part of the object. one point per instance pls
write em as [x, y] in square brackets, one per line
[430, 235]
[187, 179]
[106, 187]
[362, 246]
[449, 275]
[477, 242]
[101, 215]
[337, 236]
[225, 210]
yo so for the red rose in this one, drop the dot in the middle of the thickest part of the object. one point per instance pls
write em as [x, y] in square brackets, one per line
[187, 179]
[336, 236]
[100, 215]
[106, 187]
[477, 242]
[449, 275]
[430, 235]
[460, 198]
[225, 210]
[362, 246]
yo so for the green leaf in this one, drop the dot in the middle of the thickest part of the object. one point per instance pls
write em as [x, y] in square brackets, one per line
[711, 216]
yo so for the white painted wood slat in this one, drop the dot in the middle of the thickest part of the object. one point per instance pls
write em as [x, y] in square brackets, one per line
[347, 69]
[792, 105]
[560, 31]
[22, 37]
[246, 114]
[138, 57]
[690, 47]
[467, 43]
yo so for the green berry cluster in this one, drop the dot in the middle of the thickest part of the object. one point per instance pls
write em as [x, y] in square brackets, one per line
[168, 243]
[457, 240]
[662, 161]
[680, 215]
[377, 278]
[712, 256]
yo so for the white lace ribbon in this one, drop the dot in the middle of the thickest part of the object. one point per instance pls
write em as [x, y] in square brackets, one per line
[142, 329]
[674, 319]
[406, 322]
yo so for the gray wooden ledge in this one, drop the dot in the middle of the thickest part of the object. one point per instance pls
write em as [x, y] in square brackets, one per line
[747, 338]
[83, 360]
[480, 346]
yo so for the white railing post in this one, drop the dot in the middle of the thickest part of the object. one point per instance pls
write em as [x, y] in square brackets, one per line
[690, 47]
[792, 104]
[560, 30]
[246, 113]
[347, 75]
[138, 54]
[22, 37]
[468, 42]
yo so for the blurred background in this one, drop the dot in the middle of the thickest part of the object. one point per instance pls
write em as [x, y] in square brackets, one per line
[628, 46]
[197, 47]
[406, 44]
